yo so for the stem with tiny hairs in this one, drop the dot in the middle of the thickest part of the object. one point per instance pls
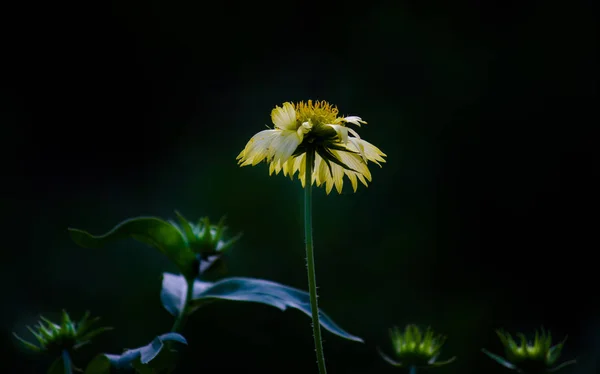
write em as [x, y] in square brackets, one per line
[310, 260]
[180, 319]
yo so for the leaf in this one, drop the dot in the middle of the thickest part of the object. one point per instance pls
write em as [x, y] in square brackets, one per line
[101, 364]
[560, 366]
[242, 289]
[149, 230]
[27, 344]
[389, 360]
[499, 360]
[165, 362]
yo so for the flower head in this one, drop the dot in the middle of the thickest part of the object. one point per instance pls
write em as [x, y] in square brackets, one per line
[67, 336]
[313, 127]
[538, 356]
[413, 348]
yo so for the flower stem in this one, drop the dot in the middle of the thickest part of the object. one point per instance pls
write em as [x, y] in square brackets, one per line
[178, 324]
[310, 260]
[413, 370]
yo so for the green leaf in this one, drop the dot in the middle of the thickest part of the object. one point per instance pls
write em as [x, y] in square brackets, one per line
[186, 228]
[499, 360]
[27, 344]
[389, 360]
[99, 365]
[560, 366]
[149, 230]
[143, 355]
[242, 289]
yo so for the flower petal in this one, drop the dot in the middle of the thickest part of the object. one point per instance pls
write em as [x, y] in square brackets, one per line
[354, 120]
[352, 176]
[284, 117]
[367, 150]
[355, 162]
[258, 147]
[341, 131]
[284, 146]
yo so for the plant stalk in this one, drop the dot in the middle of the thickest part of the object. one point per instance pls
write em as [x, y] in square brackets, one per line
[179, 321]
[310, 261]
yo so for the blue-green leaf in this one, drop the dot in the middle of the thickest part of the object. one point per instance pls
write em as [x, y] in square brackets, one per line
[499, 360]
[152, 231]
[102, 363]
[243, 289]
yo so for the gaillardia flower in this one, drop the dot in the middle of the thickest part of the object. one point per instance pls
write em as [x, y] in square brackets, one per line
[313, 127]
[415, 349]
[534, 357]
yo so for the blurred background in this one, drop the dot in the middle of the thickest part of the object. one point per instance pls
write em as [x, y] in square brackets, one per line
[484, 216]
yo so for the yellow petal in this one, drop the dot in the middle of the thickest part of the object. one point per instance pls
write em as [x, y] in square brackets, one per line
[354, 161]
[284, 117]
[371, 152]
[354, 120]
[285, 145]
[338, 177]
[352, 176]
[341, 131]
[321, 170]
[258, 147]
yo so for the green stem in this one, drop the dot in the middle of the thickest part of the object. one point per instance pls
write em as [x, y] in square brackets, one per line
[413, 370]
[67, 362]
[310, 261]
[181, 317]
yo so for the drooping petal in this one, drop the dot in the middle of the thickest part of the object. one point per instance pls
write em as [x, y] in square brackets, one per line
[367, 150]
[294, 165]
[355, 162]
[284, 146]
[257, 148]
[341, 131]
[373, 153]
[275, 166]
[321, 171]
[352, 176]
[284, 117]
[338, 177]
[354, 120]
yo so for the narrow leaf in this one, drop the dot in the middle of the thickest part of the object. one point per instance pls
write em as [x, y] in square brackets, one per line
[388, 359]
[499, 359]
[149, 230]
[27, 344]
[560, 366]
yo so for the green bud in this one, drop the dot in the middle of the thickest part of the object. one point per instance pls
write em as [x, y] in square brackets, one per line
[532, 357]
[415, 348]
[205, 239]
[68, 336]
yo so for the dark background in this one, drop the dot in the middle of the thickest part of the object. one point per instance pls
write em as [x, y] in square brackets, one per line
[484, 216]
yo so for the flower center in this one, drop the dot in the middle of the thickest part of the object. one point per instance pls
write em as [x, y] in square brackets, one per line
[317, 114]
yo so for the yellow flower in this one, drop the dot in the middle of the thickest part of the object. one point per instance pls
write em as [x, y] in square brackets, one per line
[315, 127]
